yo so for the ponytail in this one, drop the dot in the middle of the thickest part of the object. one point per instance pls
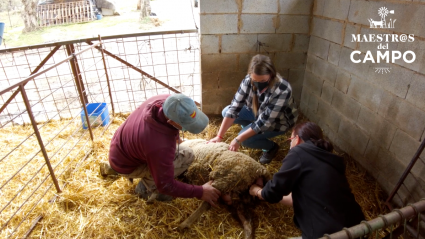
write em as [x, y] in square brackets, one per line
[323, 144]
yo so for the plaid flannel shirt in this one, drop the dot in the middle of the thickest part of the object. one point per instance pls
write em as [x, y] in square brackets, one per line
[277, 110]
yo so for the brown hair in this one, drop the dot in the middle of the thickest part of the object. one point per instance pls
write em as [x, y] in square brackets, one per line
[261, 65]
[311, 131]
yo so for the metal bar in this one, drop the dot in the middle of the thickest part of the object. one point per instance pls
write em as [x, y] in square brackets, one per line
[40, 141]
[45, 59]
[9, 100]
[378, 223]
[83, 103]
[24, 81]
[107, 76]
[8, 50]
[406, 172]
[33, 72]
[138, 70]
[76, 70]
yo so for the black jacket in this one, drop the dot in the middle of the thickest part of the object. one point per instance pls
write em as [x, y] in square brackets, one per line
[322, 199]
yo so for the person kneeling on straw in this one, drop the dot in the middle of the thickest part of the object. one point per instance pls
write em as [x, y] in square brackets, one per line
[144, 147]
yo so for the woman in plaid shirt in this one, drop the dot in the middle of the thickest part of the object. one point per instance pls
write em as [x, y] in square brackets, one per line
[263, 106]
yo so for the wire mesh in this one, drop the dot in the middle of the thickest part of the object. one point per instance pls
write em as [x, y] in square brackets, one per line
[138, 67]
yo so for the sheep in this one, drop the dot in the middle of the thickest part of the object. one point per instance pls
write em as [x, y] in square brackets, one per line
[232, 174]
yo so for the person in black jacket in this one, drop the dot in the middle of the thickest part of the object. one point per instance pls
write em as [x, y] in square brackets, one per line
[321, 196]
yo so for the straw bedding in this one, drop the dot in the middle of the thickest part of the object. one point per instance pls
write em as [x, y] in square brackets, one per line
[94, 207]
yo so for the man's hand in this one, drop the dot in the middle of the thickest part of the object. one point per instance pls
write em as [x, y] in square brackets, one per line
[210, 194]
[216, 139]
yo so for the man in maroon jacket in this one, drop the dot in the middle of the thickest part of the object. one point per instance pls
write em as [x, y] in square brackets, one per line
[144, 147]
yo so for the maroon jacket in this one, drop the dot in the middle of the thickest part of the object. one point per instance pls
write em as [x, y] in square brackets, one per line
[146, 138]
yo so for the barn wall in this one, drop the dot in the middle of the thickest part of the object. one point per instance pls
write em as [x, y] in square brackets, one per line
[232, 31]
[378, 118]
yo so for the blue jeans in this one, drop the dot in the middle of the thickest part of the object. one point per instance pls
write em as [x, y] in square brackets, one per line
[259, 141]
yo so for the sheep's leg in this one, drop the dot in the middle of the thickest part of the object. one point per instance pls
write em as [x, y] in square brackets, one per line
[246, 223]
[194, 216]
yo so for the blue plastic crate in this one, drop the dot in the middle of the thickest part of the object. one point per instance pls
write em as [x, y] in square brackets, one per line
[94, 110]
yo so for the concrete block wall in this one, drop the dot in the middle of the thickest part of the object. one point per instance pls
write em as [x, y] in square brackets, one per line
[232, 31]
[379, 119]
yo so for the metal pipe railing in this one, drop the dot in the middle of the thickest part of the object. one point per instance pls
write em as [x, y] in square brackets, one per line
[383, 221]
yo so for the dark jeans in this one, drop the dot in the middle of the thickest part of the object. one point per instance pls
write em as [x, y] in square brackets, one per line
[259, 141]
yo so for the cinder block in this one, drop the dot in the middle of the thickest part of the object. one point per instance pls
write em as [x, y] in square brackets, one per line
[313, 117]
[348, 37]
[342, 81]
[311, 59]
[219, 24]
[240, 43]
[329, 134]
[301, 43]
[214, 62]
[327, 92]
[327, 29]
[419, 26]
[296, 79]
[346, 105]
[329, 116]
[220, 6]
[313, 103]
[407, 117]
[318, 47]
[372, 150]
[209, 44]
[290, 60]
[319, 7]
[397, 82]
[391, 172]
[209, 80]
[361, 10]
[275, 42]
[254, 23]
[377, 127]
[305, 95]
[334, 53]
[343, 145]
[293, 24]
[284, 73]
[418, 47]
[313, 83]
[358, 69]
[336, 9]
[214, 101]
[230, 79]
[325, 70]
[244, 60]
[355, 136]
[367, 94]
[252, 6]
[295, 7]
[372, 46]
[404, 146]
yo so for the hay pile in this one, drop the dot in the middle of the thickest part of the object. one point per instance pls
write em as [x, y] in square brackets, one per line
[231, 171]
[93, 207]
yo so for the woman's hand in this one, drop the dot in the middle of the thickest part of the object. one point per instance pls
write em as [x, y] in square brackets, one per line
[254, 190]
[216, 139]
[234, 145]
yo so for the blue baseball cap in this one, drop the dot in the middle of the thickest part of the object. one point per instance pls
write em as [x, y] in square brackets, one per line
[182, 110]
